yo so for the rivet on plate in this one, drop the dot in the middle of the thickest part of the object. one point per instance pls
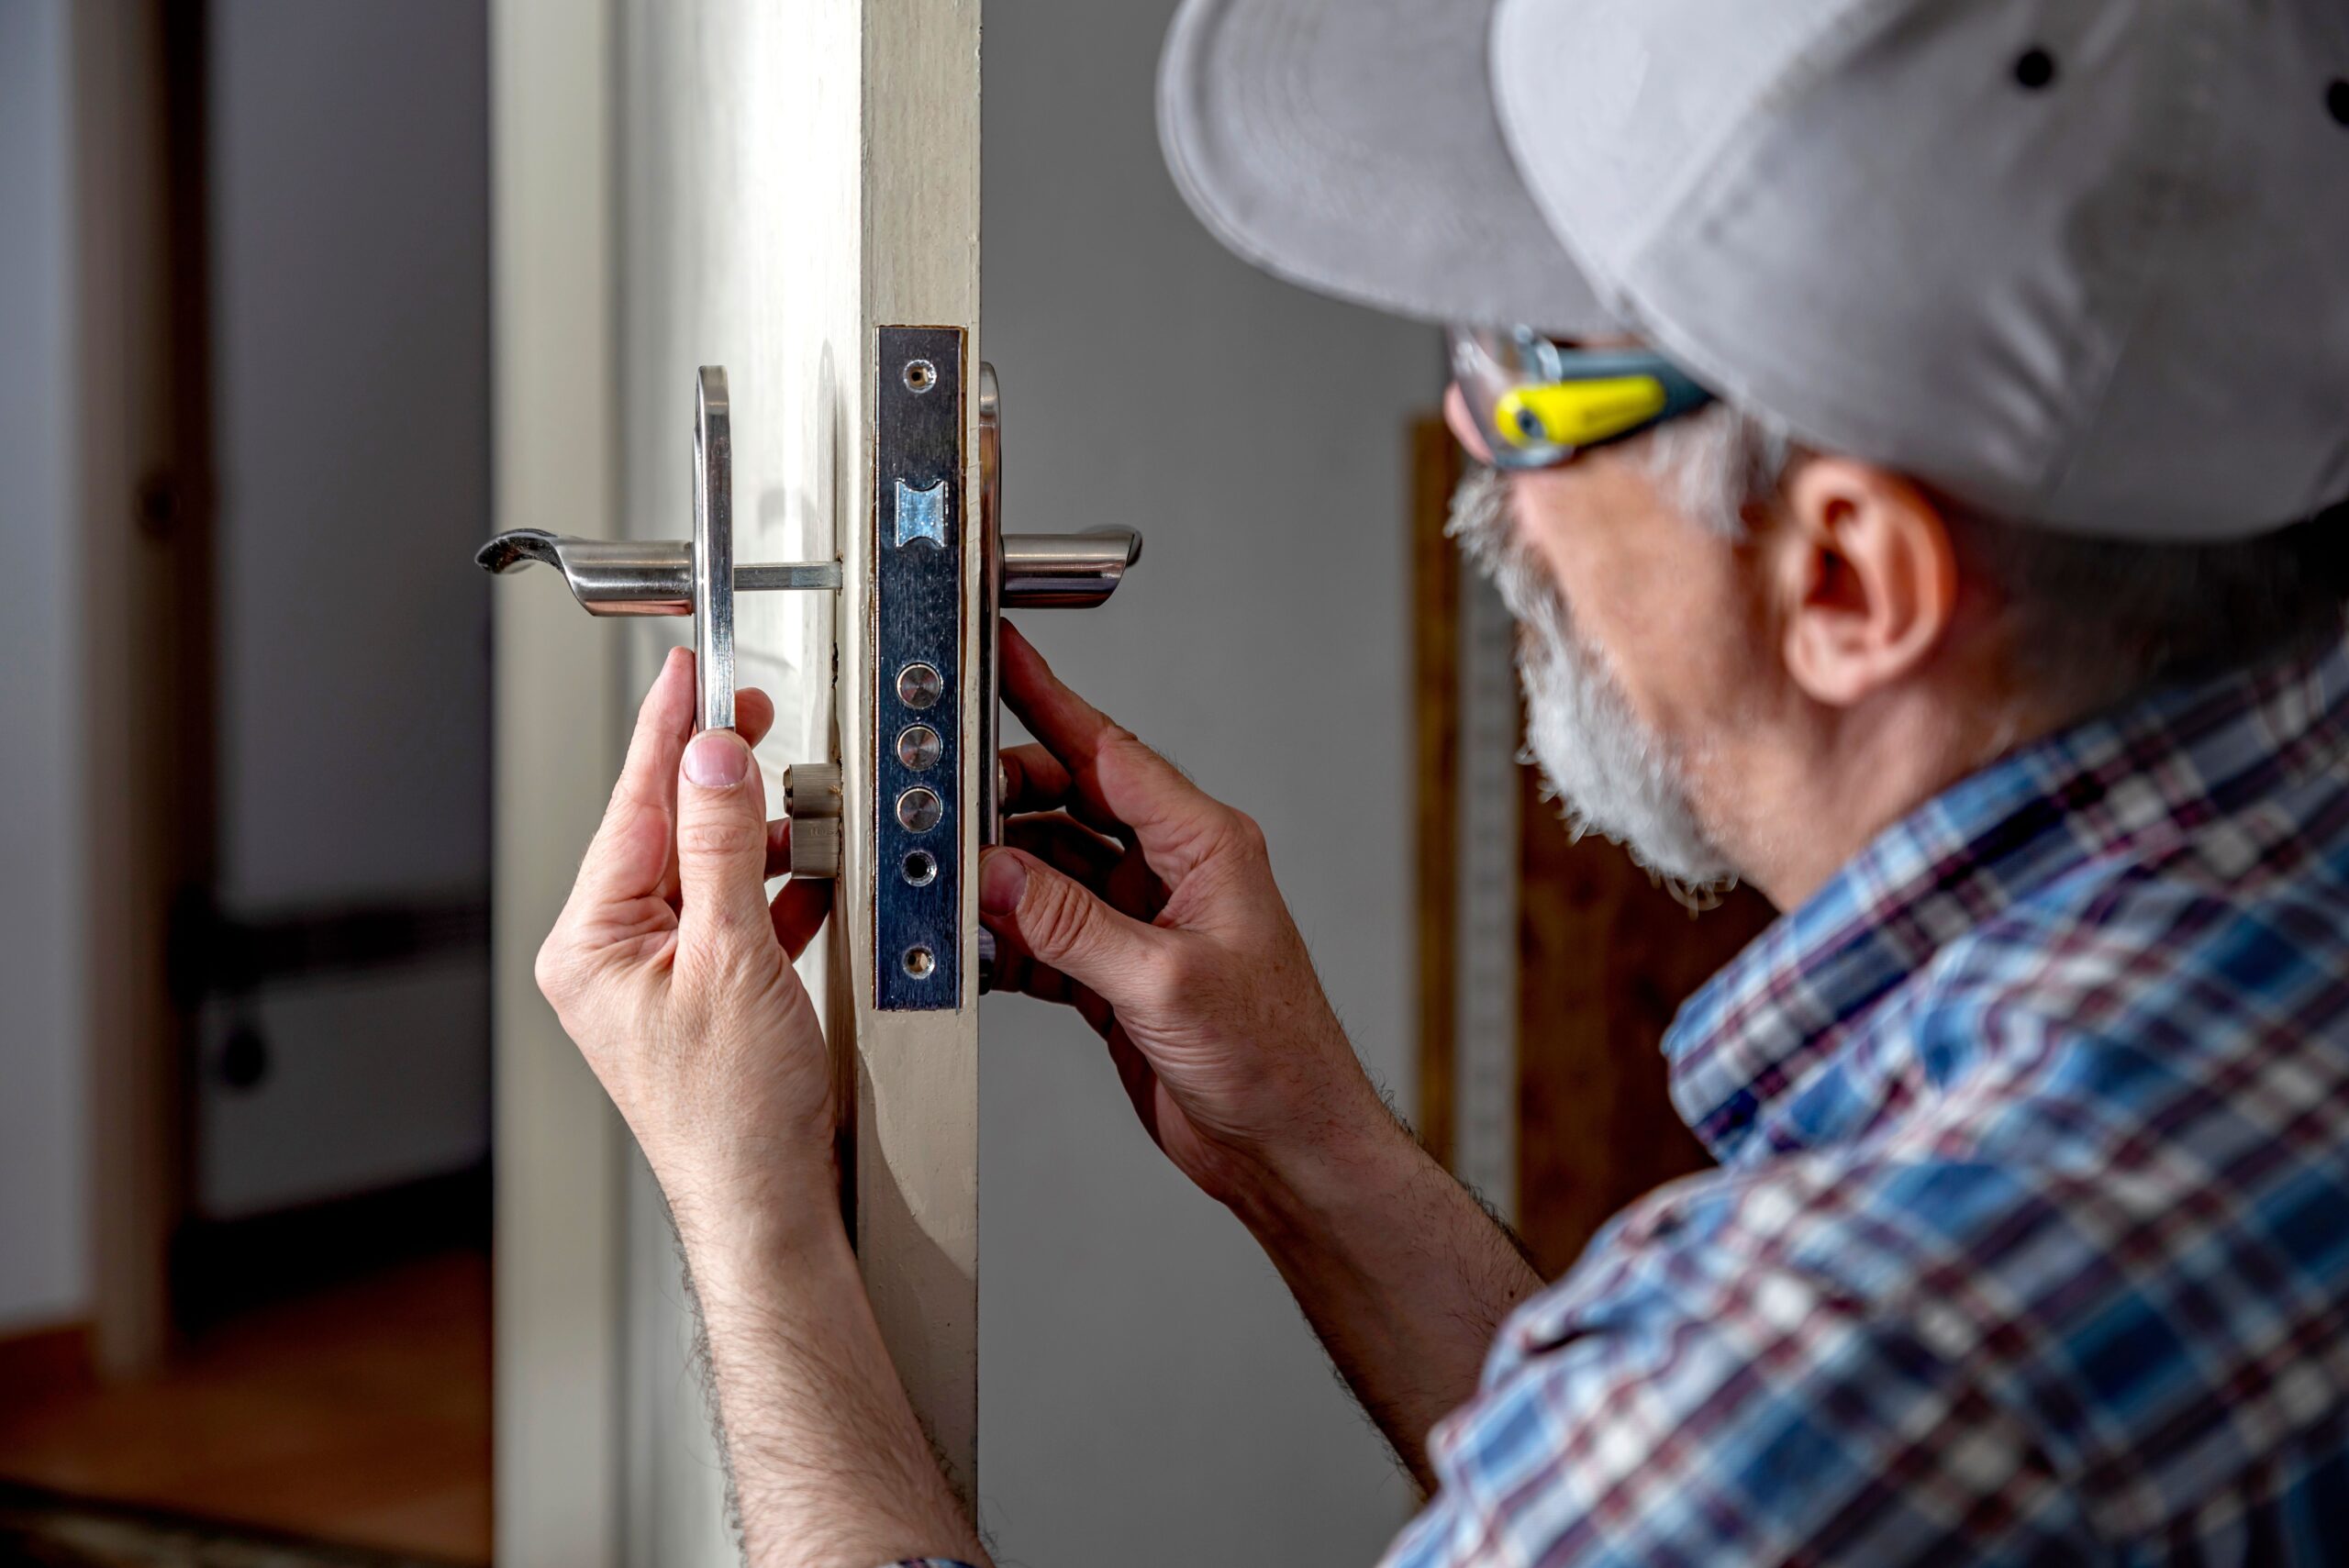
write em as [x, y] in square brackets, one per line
[918, 809]
[919, 685]
[918, 747]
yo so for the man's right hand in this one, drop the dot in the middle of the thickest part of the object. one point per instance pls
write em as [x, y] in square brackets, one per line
[1150, 907]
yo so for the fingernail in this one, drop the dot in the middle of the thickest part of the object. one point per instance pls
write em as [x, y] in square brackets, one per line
[1002, 879]
[718, 760]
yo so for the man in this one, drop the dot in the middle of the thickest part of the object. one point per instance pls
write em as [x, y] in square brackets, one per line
[1917, 454]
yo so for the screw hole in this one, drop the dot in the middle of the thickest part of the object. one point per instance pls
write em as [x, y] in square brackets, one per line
[920, 963]
[2036, 68]
[920, 869]
[920, 376]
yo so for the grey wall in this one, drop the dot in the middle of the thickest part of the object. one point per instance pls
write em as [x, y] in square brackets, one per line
[349, 250]
[350, 325]
[43, 1271]
[1148, 1393]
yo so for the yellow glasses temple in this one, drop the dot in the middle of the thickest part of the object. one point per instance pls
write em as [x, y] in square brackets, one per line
[1576, 413]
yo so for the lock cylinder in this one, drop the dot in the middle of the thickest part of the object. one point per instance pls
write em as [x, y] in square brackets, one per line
[811, 797]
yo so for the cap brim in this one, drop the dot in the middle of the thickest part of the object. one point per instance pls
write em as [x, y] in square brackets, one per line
[1352, 147]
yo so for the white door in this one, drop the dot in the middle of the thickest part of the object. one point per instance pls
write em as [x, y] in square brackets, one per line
[774, 188]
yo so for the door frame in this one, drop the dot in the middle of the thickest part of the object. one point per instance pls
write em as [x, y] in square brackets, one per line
[143, 665]
[559, 1151]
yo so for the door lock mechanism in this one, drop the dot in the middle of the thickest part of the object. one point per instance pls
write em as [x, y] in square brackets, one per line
[917, 610]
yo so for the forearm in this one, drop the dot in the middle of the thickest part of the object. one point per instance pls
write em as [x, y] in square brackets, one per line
[1400, 1272]
[829, 1467]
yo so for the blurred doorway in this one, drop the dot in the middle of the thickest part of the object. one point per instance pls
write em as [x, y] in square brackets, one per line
[273, 218]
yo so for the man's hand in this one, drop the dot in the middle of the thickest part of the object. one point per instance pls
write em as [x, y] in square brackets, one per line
[1151, 909]
[672, 972]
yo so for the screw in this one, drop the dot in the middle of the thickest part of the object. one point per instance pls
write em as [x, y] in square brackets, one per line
[919, 685]
[918, 809]
[917, 747]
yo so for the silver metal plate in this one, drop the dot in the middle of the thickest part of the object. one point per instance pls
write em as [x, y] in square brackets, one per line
[918, 542]
[714, 551]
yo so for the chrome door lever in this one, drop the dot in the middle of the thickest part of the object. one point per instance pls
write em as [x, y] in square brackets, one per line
[697, 577]
[1077, 570]
[1043, 571]
[639, 577]
[1066, 572]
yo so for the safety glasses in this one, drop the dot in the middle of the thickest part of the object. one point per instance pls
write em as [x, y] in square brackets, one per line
[1537, 402]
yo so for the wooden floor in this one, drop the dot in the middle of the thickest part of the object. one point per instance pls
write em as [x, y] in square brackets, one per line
[359, 1415]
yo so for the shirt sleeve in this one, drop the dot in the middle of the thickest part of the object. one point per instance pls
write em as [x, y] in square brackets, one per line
[1701, 1413]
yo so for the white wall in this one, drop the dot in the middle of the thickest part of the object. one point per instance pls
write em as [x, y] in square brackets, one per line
[1148, 1392]
[43, 1262]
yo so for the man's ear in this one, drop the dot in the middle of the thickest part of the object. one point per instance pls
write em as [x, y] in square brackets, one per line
[1867, 578]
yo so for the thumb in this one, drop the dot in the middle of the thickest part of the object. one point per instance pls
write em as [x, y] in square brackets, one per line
[722, 842]
[1064, 924]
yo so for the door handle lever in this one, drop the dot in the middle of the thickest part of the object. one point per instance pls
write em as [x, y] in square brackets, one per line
[1066, 572]
[1077, 570]
[639, 577]
[694, 577]
[662, 577]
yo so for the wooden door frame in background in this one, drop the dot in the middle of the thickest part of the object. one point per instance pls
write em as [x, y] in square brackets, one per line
[143, 667]
[1436, 469]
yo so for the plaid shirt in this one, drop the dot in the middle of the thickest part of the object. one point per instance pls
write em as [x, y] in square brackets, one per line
[2031, 1238]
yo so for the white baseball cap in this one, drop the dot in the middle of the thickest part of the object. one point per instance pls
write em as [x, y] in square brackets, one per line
[2081, 261]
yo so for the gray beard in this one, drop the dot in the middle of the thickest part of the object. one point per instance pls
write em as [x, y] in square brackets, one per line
[1610, 774]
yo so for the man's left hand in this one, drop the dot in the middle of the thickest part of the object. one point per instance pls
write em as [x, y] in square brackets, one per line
[672, 972]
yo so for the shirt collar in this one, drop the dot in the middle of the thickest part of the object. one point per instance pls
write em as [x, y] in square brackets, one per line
[1797, 998]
